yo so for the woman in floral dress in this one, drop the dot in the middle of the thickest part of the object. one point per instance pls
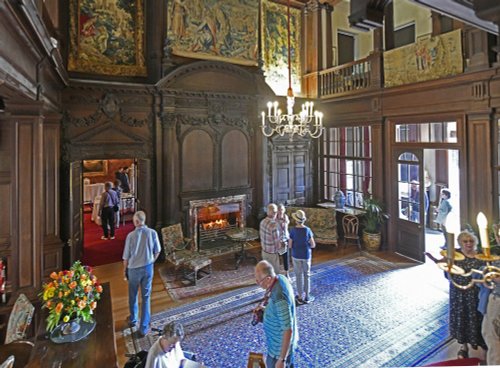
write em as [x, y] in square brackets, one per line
[465, 319]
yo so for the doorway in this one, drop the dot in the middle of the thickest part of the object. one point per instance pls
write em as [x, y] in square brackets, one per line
[441, 172]
[100, 245]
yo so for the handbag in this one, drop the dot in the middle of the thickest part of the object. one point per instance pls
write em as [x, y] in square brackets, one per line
[116, 208]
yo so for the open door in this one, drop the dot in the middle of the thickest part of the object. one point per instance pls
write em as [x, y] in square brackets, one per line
[412, 203]
[75, 211]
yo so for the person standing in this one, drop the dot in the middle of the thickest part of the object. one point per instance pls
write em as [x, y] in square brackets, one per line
[442, 211]
[117, 188]
[109, 203]
[301, 242]
[280, 318]
[283, 222]
[125, 180]
[415, 202]
[142, 248]
[270, 237]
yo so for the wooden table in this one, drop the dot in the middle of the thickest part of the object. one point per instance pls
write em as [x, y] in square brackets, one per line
[243, 235]
[97, 350]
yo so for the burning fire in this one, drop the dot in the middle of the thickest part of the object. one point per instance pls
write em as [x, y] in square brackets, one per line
[217, 224]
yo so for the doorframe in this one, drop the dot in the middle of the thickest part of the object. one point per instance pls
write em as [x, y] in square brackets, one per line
[460, 145]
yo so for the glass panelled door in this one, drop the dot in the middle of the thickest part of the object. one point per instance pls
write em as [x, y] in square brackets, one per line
[412, 203]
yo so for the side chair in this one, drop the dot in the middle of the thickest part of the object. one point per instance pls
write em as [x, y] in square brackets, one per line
[350, 225]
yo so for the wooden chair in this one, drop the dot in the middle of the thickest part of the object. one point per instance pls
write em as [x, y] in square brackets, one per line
[179, 253]
[256, 360]
[350, 224]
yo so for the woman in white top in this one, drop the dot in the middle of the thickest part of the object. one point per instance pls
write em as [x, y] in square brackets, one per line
[166, 352]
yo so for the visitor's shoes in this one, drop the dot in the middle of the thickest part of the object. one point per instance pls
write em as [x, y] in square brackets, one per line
[112, 238]
[141, 334]
[309, 299]
[104, 237]
[298, 300]
[130, 323]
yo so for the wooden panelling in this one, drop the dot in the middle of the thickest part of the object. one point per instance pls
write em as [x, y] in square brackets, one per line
[51, 180]
[25, 204]
[235, 160]
[197, 161]
[479, 166]
[6, 218]
[52, 261]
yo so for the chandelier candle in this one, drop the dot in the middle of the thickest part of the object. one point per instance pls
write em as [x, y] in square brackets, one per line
[482, 224]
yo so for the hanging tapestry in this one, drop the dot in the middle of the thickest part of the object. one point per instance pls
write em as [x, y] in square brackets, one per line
[275, 46]
[214, 30]
[107, 37]
[427, 59]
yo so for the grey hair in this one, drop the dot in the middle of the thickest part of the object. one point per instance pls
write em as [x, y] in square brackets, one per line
[467, 234]
[281, 205]
[266, 268]
[272, 207]
[140, 216]
[173, 329]
[108, 185]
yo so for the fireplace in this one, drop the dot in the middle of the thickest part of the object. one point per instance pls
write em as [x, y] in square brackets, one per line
[210, 219]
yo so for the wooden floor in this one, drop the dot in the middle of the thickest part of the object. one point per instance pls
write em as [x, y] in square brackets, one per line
[113, 273]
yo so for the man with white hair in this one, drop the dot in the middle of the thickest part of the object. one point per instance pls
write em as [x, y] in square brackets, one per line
[270, 237]
[279, 317]
[142, 248]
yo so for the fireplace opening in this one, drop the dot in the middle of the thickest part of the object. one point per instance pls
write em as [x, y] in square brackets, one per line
[211, 219]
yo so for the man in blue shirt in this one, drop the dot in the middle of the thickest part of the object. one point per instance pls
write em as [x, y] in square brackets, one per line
[142, 248]
[280, 319]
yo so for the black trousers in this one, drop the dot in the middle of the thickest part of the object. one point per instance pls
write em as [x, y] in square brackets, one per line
[286, 260]
[108, 219]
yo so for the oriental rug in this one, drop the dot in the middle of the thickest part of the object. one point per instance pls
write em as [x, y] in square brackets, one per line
[367, 313]
[224, 277]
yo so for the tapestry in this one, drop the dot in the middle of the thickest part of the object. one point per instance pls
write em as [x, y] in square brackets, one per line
[107, 37]
[426, 59]
[214, 29]
[275, 46]
[367, 313]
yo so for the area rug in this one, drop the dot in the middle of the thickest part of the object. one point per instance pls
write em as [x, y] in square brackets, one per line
[98, 252]
[224, 277]
[367, 313]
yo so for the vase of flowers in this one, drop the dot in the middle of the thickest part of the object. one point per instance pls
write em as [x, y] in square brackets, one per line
[71, 297]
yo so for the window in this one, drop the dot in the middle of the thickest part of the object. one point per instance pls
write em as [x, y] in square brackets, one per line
[346, 163]
[346, 47]
[437, 132]
[404, 35]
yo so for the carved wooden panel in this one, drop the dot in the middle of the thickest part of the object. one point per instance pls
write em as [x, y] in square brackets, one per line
[5, 205]
[51, 180]
[234, 161]
[197, 161]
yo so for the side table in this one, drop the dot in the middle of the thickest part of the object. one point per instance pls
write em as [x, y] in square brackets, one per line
[243, 235]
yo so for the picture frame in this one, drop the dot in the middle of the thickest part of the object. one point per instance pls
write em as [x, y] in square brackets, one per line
[95, 167]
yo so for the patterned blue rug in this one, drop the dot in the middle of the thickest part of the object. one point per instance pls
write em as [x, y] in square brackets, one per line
[367, 313]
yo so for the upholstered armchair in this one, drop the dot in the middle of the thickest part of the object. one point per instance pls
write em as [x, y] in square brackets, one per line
[180, 253]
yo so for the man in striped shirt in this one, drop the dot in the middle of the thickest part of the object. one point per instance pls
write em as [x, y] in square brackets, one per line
[280, 321]
[270, 237]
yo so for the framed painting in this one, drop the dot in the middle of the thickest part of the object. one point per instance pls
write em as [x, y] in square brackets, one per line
[107, 37]
[95, 167]
[275, 46]
[214, 30]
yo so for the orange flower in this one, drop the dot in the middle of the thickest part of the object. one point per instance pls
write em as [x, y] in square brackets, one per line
[72, 285]
[59, 307]
[99, 289]
[88, 289]
[93, 305]
[60, 294]
[48, 304]
[82, 304]
[83, 277]
[53, 275]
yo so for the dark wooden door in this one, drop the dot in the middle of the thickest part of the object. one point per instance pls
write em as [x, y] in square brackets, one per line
[290, 175]
[410, 203]
[76, 210]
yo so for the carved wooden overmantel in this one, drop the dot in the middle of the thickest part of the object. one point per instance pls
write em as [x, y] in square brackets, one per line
[209, 118]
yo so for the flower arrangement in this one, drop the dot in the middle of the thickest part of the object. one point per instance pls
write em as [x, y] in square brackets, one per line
[71, 294]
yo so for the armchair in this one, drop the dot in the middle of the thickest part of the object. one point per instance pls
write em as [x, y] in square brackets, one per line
[179, 253]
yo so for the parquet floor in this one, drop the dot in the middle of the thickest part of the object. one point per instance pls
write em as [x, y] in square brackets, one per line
[113, 273]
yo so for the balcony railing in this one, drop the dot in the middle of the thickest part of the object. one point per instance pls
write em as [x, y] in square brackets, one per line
[347, 78]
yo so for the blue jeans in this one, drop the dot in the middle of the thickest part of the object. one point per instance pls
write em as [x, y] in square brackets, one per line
[271, 362]
[302, 269]
[143, 277]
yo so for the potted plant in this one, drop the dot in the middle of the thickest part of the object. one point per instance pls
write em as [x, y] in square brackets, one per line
[372, 220]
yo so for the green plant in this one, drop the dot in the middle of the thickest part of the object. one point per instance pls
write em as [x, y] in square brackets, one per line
[374, 216]
[71, 294]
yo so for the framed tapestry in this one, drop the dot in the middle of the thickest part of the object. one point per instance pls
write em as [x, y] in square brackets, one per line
[107, 37]
[214, 30]
[275, 46]
[95, 167]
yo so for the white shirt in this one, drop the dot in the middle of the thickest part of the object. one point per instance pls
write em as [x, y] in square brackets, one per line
[157, 358]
